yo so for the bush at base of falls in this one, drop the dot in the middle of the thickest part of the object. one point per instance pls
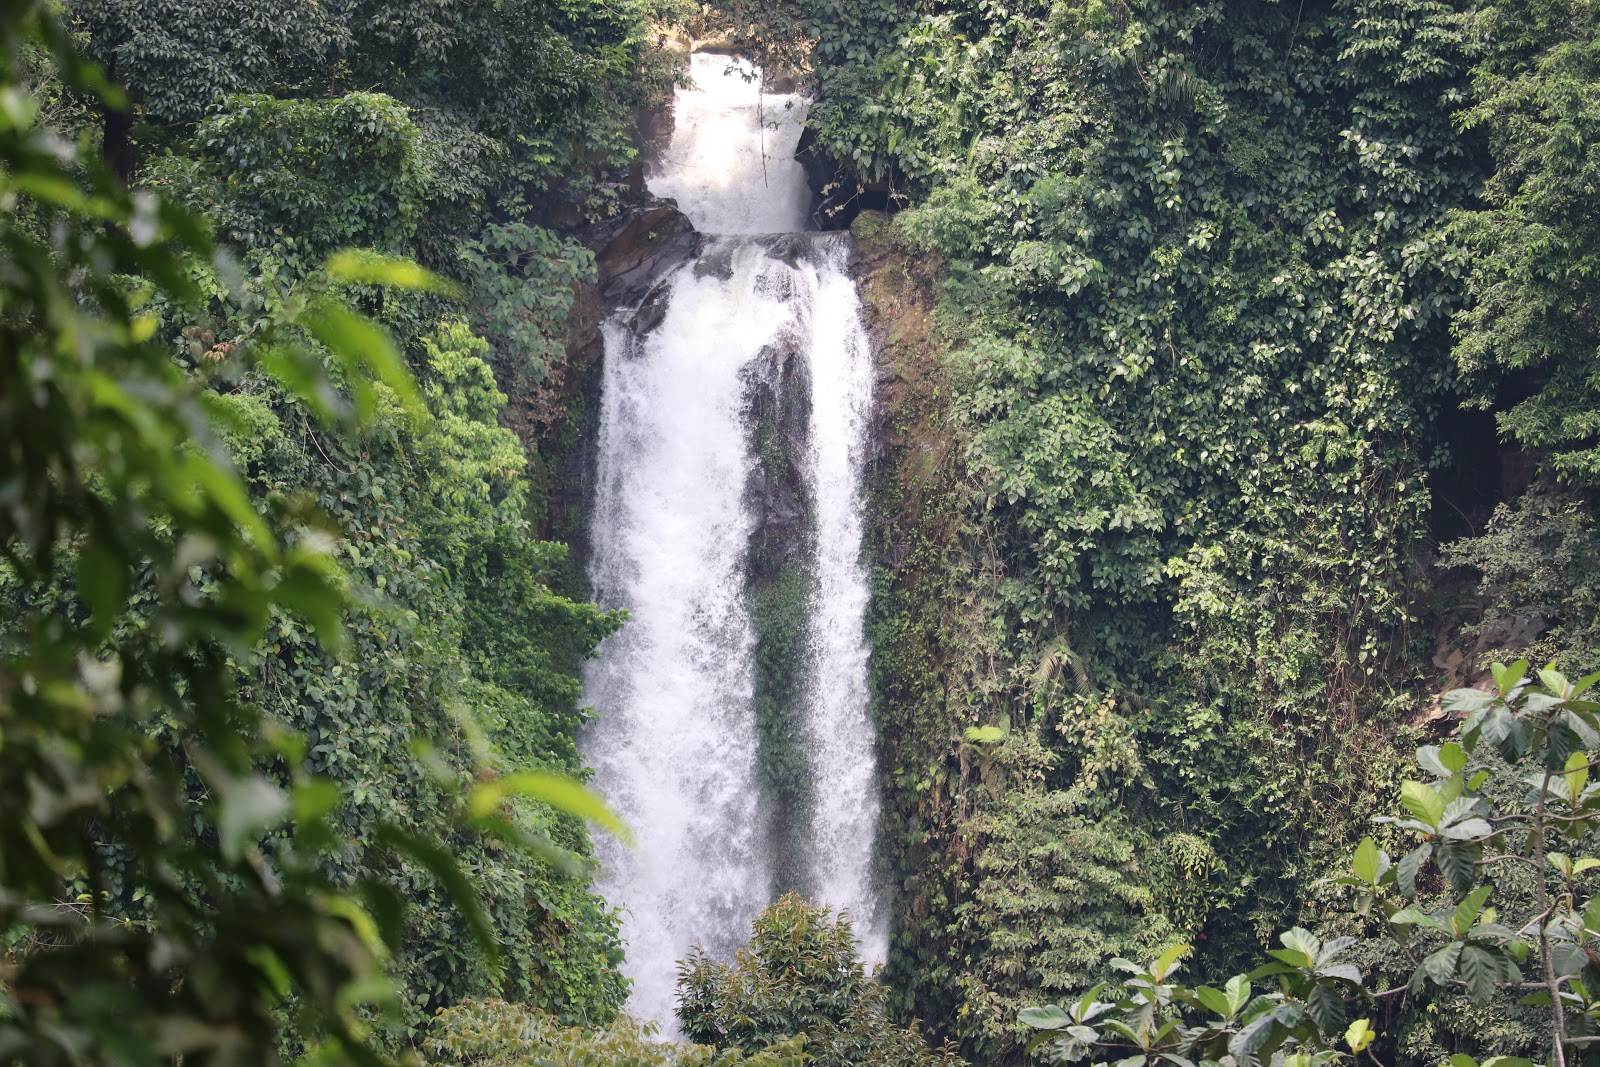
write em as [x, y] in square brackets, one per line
[799, 975]
[492, 1033]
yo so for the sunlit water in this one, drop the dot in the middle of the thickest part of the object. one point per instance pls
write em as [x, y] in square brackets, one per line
[674, 745]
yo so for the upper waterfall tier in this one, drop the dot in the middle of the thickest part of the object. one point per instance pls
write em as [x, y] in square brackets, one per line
[731, 164]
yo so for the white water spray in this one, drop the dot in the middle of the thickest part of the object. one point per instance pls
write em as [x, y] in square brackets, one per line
[675, 746]
[731, 164]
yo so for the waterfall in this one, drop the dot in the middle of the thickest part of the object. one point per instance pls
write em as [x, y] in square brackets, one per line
[734, 420]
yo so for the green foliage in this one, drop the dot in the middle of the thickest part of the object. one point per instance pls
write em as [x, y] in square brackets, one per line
[1537, 564]
[462, 135]
[177, 57]
[466, 656]
[174, 861]
[319, 175]
[496, 1034]
[1057, 892]
[1194, 287]
[460, 640]
[1466, 832]
[798, 976]
[1297, 1018]
[295, 729]
[1542, 727]
[1529, 331]
[524, 277]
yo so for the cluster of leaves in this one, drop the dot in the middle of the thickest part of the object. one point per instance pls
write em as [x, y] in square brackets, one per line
[1296, 1018]
[1466, 836]
[799, 976]
[1537, 560]
[175, 868]
[1055, 891]
[1544, 729]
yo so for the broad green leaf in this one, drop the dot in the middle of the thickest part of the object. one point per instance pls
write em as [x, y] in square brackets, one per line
[1506, 678]
[440, 862]
[1238, 990]
[1591, 916]
[103, 583]
[1417, 917]
[1466, 912]
[363, 266]
[1325, 1006]
[1302, 941]
[303, 375]
[558, 791]
[1086, 1008]
[1214, 1000]
[1428, 759]
[1471, 829]
[1367, 863]
[361, 922]
[1458, 864]
[1467, 701]
[247, 807]
[1406, 870]
[1359, 1035]
[1168, 961]
[227, 494]
[1044, 1017]
[1576, 775]
[361, 345]
[1440, 966]
[316, 599]
[1554, 681]
[315, 799]
[1422, 801]
[1344, 972]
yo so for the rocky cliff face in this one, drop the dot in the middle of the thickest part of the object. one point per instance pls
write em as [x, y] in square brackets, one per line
[780, 584]
[841, 192]
[932, 570]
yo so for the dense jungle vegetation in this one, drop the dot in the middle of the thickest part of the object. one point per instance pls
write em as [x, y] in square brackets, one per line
[1244, 402]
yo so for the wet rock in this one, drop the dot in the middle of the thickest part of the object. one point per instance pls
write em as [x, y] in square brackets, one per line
[790, 248]
[778, 399]
[652, 311]
[715, 263]
[637, 248]
[839, 192]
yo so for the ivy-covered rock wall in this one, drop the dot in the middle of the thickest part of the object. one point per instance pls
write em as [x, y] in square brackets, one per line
[1176, 299]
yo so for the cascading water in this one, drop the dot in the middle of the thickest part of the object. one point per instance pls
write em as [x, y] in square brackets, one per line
[754, 323]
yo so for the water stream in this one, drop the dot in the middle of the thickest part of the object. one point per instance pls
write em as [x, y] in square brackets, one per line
[688, 513]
